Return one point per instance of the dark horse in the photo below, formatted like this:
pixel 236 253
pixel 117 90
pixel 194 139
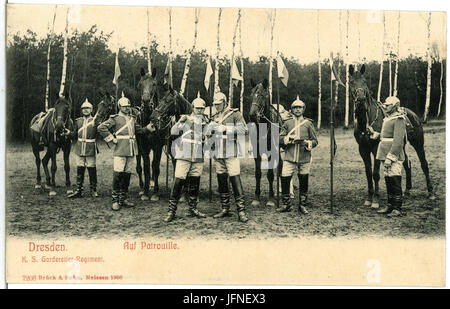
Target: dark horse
pixel 171 105
pixel 146 142
pixel 369 117
pixel 262 112
pixel 54 134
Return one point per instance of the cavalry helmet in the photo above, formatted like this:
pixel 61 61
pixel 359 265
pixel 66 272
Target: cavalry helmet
pixel 219 97
pixel 86 104
pixel 392 101
pixel 298 102
pixel 199 102
pixel 124 101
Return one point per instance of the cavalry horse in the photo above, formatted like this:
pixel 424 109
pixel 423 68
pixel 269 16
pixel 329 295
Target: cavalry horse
pixel 146 142
pixel 369 116
pixel 170 105
pixel 262 112
pixel 54 134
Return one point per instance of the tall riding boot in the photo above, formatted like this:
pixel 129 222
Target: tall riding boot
pixel 222 180
pixel 285 194
pixel 175 195
pixel 80 180
pixel 239 198
pixel 126 184
pixel 389 188
pixel 193 185
pixel 116 191
pixel 303 196
pixel 93 180
pixel 397 196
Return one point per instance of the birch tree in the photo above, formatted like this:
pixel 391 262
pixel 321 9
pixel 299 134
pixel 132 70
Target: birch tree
pixel 64 68
pixel 170 48
pixel 149 64
pixel 382 59
pixel 216 66
pixel 398 55
pixel 319 100
pixel 347 101
pixel 188 60
pixel 336 89
pixel 50 38
pixel 442 68
pixel 272 24
pixel 232 64
pixel 427 100
pixel 241 101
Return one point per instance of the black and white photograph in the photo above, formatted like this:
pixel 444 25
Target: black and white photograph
pixel 147 129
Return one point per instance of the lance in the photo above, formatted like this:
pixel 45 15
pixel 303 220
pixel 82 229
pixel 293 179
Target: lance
pixel 278 159
pixel 211 92
pixel 331 135
pixel 170 82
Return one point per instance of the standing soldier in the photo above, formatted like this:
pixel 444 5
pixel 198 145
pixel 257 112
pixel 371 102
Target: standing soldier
pixel 85 131
pixel 121 130
pixel 299 138
pixel 391 152
pixel 189 163
pixel 228 123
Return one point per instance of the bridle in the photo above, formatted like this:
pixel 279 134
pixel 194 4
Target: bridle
pixel 260 111
pixel 367 102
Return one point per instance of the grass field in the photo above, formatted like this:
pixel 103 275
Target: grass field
pixel 31 212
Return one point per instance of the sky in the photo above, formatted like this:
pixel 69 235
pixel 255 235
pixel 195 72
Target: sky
pixel 295 32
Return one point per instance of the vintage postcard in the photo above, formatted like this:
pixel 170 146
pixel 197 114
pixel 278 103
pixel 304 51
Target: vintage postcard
pixel 231 146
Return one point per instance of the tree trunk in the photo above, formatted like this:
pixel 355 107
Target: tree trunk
pixel 216 65
pixel 47 82
pixel 319 86
pixel 382 59
pixel 427 100
pixel 272 24
pixel 347 101
pixel 398 57
pixel 188 60
pixel 230 93
pixel 440 83
pixel 170 48
pixel 241 100
pixel 149 62
pixel 336 89
pixel 390 75
pixel 64 68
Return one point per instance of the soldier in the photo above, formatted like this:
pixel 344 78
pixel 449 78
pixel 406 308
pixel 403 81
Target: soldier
pixel 121 129
pixel 85 131
pixel 189 164
pixel 391 152
pixel 228 165
pixel 299 138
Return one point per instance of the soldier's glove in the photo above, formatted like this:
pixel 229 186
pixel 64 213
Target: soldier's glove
pixel 308 144
pixel 183 118
pixel 289 140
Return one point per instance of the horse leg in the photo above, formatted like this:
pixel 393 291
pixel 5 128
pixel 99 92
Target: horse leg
pixel 66 152
pixel 54 168
pixel 424 164
pixel 365 155
pixel 258 173
pixel 146 159
pixel 139 172
pixel 38 166
pixel 270 178
pixel 45 160
pixel 155 169
pixel 407 167
pixel 376 179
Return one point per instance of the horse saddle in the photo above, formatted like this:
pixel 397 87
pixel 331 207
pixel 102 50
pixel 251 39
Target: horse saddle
pixel 39 120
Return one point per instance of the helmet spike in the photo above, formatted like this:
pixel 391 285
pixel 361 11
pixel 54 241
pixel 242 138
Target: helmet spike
pixel 198 94
pixel 123 95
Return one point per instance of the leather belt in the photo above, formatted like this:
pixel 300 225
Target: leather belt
pixel 86 140
pixel 125 137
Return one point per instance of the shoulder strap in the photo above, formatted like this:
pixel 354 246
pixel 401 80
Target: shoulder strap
pixel 298 125
pixel 221 119
pixel 87 124
pixel 124 126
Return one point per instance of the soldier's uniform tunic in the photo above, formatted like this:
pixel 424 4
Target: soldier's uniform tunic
pixel 228 148
pixel 85 132
pixel 297 155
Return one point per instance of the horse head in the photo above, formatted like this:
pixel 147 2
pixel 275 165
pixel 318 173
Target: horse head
pixel 148 89
pixel 360 94
pixel 171 104
pixel 260 101
pixel 106 106
pixel 62 114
